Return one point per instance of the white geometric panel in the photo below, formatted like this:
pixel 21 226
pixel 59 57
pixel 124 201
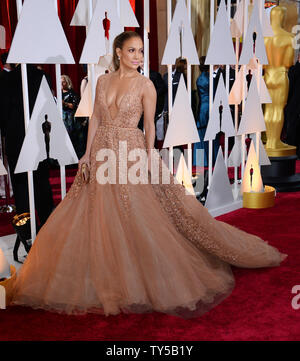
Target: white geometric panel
pixel 2 37
pixel 263 90
pixel 81 14
pixel 237 24
pixel 235 157
pixel 260 50
pixel 214 126
pixel 2 298
pixel 96 43
pixel 183 176
pixel 263 157
pixel 221 49
pixel 252 120
pixel 252 181
pixel 236 93
pixel 180 41
pixel 265 20
pixel 128 18
pixel 219 193
pixel 39 37
pixel 33 149
pixel 85 107
pixel 182 126
pixel 3 171
pixel 4 266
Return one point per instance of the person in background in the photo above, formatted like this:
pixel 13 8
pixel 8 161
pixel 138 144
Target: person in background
pixel 70 101
pixel 6 68
pixel 180 68
pixel 5 181
pixel 160 88
pixel 84 81
pixel 203 117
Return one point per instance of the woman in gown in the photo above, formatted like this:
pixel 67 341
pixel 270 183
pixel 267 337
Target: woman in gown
pixel 112 248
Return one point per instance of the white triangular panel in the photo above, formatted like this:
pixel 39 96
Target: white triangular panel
pixel 95 44
pixel 183 176
pixel 3 171
pixel 172 50
pixel 2 37
pixel 252 120
pixel 4 266
pixel 33 149
pixel 2 298
pixel 128 18
pixel 39 37
pixel 219 193
pixel 105 63
pixel 221 49
pixel 263 157
pixel 182 126
pixel 260 50
pixel 85 107
pixel 81 14
pixel 257 184
pixel 236 93
pixel 235 157
pixel 237 24
pixel 263 90
pixel 265 20
pixel 213 126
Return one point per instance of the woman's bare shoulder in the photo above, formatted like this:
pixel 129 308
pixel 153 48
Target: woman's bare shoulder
pixel 148 86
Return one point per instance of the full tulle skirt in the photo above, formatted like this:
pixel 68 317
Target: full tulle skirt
pixel 111 248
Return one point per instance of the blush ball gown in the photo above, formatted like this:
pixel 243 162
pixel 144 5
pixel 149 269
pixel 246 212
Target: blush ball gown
pixel 112 248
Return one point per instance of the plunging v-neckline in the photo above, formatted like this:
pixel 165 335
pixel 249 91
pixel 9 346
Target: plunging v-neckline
pixel 118 108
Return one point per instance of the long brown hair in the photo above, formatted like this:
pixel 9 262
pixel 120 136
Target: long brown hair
pixel 119 42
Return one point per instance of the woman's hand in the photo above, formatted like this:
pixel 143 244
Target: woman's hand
pixel 85 159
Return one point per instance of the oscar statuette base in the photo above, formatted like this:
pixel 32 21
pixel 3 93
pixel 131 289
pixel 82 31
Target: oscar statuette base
pixel 281 174
pixel 281 152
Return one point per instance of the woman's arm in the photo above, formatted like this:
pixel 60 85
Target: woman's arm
pixel 149 106
pixel 93 125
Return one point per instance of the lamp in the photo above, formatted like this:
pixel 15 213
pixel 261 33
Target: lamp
pixel 21 224
pixel 255 195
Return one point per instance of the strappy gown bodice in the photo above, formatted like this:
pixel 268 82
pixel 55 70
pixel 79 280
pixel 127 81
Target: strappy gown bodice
pixel 130 108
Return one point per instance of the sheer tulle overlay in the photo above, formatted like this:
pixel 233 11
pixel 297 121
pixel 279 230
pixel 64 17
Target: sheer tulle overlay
pixel 113 248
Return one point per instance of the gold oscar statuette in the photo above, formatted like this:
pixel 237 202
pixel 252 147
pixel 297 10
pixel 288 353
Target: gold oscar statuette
pixel 280 54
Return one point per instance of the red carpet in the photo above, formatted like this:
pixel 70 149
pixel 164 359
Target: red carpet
pixel 258 309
